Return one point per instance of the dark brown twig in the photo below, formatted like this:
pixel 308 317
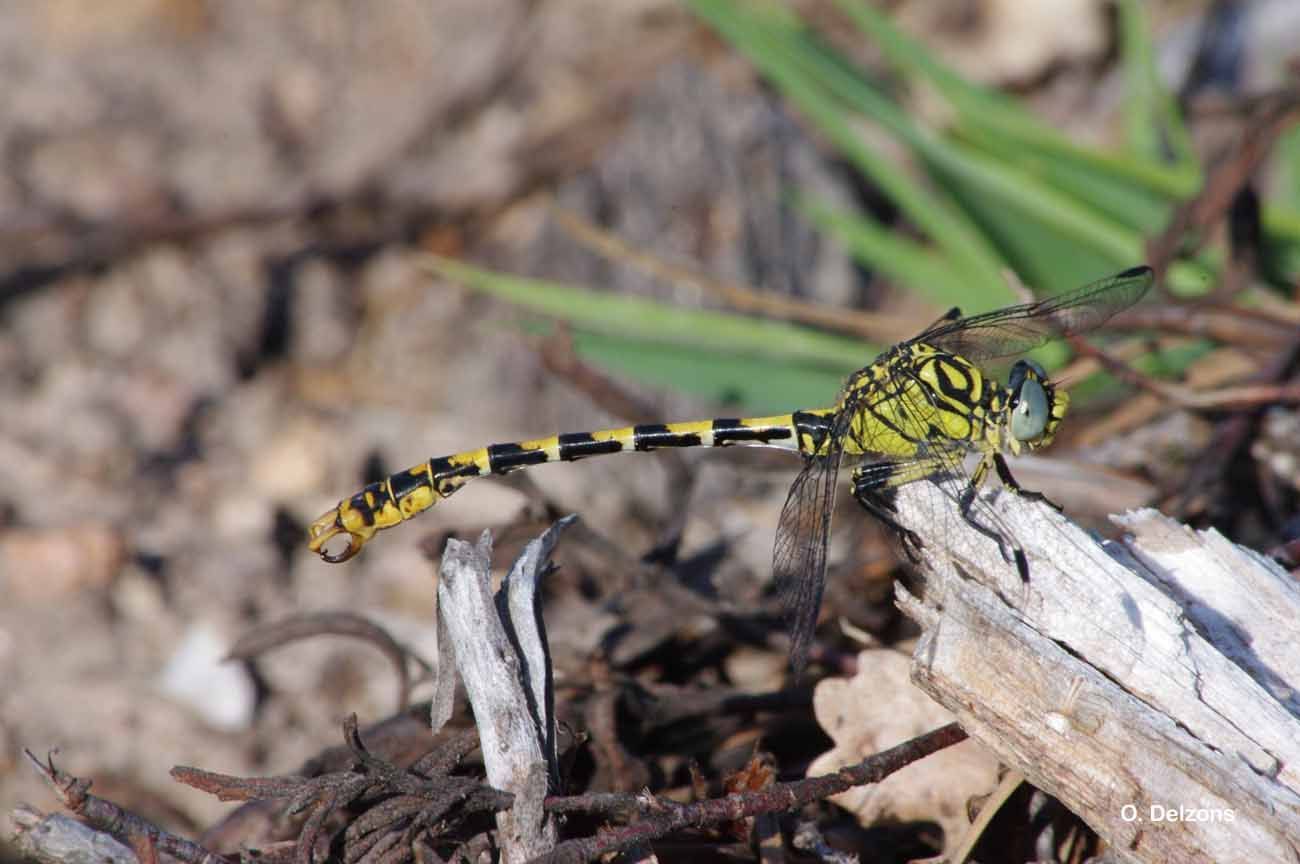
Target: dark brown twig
pixel 1267 122
pixel 398 803
pixel 298 627
pixel 402 739
pixel 141 835
pixel 664 816
pixel 1253 329
pixel 1240 397
pixel 603 803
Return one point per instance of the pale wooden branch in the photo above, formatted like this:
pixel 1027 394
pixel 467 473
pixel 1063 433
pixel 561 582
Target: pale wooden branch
pixel 1127 680
pixel 57 838
pixel 520 610
pixel 499 650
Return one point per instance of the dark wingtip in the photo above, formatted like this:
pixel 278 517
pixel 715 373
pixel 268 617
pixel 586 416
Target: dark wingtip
pixel 1133 272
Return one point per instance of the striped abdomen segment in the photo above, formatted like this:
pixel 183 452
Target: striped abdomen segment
pixel 403 495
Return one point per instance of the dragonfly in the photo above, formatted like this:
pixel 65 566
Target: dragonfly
pixel 916 412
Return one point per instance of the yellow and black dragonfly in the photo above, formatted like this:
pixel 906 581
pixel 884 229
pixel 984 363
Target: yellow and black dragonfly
pixel 914 413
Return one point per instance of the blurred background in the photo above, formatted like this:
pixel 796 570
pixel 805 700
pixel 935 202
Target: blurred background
pixel 255 255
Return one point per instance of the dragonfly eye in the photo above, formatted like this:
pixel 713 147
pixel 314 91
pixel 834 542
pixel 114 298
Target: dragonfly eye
pixel 1029 413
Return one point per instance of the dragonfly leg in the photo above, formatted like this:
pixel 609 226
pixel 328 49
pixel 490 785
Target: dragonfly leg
pixel 1004 474
pixel 874 487
pixel 967 503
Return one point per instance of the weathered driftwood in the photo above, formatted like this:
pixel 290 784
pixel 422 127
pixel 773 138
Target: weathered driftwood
pixel 1151 686
pixel 57 838
pixel 498 647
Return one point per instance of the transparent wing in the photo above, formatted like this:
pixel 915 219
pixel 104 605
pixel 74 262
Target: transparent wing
pixel 803 531
pixel 802 534
pixel 799 555
pixel 1017 329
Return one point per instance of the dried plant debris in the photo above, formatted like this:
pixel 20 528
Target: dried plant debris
pixel 374 810
pixel 145 839
pixel 433 810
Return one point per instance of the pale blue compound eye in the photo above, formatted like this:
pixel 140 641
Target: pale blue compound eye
pixel 1029 417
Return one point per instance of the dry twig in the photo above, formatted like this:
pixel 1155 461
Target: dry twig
pixel 662 816
pixel 144 838
pixel 267 637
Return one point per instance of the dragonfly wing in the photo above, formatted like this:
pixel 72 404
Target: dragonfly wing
pixel 1017 329
pixel 799 555
pixel 803 531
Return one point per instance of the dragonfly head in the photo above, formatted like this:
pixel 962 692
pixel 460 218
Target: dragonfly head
pixel 1036 407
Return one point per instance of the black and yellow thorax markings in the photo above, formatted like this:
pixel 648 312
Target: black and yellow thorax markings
pixel 389 502
pixel 918 396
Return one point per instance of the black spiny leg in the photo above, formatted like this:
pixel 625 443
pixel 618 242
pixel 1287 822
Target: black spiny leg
pixel 967 502
pixel 1004 474
pixel 873 489
pixel 875 485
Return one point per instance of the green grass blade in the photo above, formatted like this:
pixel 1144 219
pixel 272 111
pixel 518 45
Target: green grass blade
pixel 638 318
pixel 1288 158
pixel 783 54
pixel 1001 192
pixel 988 110
pixel 748 384
pixel 1152 121
pixel 907 262
pixel 1015 198
pixel 1116 197
pixel 1281 245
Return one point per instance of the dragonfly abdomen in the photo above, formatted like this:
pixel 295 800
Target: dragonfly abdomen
pixel 407 493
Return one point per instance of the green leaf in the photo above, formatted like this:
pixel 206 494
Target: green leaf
pixel 1281 245
pixel 985 110
pixel 746 384
pixel 800 69
pixel 1014 200
pixel 638 318
pixel 905 261
pixel 1288 157
pixel 1153 123
pixel 1112 195
pixel 1000 196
